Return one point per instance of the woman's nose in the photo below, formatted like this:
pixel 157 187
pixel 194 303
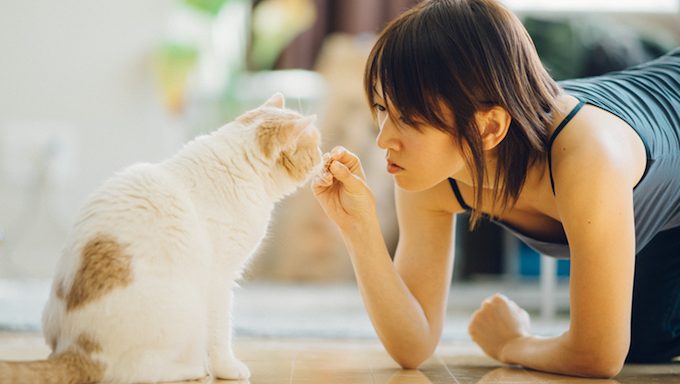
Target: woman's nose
pixel 386 137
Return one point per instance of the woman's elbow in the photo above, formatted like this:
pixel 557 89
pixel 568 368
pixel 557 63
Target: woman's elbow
pixel 411 358
pixel 602 370
pixel 603 359
pixel 410 362
pixel 602 364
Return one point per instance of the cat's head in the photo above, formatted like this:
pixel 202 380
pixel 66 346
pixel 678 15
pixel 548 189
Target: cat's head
pixel 286 140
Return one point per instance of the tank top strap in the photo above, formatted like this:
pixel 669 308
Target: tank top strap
pixel 459 196
pixel 557 131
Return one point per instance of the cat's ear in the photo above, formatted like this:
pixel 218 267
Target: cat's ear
pixel 276 101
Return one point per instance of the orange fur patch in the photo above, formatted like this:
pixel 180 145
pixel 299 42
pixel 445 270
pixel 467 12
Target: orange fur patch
pixel 59 290
pixel 274 133
pixel 266 136
pixel 75 365
pixel 52 342
pixel 293 171
pixel 88 344
pixel 300 161
pixel 104 266
pixel 88 369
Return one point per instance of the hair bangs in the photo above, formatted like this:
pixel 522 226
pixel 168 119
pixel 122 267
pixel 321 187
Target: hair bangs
pixel 408 89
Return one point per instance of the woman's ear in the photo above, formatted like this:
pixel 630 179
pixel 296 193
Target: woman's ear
pixel 493 126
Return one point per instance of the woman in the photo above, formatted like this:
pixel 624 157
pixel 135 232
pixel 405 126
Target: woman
pixel 588 169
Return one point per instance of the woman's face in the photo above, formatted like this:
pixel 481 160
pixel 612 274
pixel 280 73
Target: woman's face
pixel 418 159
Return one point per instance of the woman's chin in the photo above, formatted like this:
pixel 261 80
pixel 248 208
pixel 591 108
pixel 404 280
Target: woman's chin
pixel 409 184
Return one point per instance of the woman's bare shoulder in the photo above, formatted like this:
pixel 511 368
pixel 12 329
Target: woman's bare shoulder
pixel 598 140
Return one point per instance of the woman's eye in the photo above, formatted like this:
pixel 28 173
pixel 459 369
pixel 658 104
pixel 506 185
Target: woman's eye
pixel 379 107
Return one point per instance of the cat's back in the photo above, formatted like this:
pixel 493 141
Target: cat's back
pixel 142 209
pixel 136 197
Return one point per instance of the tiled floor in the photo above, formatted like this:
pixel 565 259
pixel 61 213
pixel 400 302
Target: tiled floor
pixel 288 361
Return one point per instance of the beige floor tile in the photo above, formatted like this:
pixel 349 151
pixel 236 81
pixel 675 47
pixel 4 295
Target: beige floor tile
pixel 366 362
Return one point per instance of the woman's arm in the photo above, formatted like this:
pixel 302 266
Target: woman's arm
pixel 405 299
pixel 593 185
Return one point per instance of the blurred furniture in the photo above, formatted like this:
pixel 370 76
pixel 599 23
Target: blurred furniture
pixel 354 17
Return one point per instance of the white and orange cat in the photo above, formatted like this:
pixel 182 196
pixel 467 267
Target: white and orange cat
pixel 143 290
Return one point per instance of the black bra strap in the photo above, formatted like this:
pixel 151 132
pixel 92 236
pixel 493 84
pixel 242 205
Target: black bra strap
pixel 559 128
pixel 459 197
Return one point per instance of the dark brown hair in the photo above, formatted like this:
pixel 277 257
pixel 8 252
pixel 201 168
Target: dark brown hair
pixel 468 55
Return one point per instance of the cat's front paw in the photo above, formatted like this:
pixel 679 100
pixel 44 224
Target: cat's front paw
pixel 231 369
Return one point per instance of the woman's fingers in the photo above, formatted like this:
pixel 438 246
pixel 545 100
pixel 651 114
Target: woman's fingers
pixel 325 179
pixel 341 190
pixel 341 172
pixel 348 159
pixel 322 182
pixel 342 165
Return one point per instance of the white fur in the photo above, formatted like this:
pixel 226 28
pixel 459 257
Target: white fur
pixel 190 224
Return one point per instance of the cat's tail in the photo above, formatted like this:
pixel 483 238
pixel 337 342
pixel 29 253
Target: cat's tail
pixel 66 368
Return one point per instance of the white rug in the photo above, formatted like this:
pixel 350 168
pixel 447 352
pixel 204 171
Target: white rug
pixel 325 311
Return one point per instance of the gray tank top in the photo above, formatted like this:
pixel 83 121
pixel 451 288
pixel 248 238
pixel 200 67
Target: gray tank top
pixel 646 97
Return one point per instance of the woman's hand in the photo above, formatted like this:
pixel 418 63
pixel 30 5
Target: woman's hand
pixel 497 322
pixel 341 189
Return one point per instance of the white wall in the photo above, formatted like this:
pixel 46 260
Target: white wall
pixel 76 74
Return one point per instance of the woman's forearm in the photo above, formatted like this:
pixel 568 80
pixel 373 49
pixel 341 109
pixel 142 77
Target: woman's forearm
pixel 559 355
pixel 397 317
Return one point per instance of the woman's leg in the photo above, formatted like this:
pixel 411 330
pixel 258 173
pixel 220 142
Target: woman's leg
pixel 655 323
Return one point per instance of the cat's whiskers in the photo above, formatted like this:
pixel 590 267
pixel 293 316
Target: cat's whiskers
pixel 299 100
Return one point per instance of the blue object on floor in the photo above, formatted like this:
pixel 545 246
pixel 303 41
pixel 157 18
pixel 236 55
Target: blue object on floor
pixel 530 263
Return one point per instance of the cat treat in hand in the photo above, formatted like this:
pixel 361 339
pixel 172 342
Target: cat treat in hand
pixel 327 160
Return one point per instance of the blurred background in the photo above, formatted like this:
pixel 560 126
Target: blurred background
pixel 87 88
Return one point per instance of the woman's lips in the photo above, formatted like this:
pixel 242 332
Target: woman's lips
pixel 393 168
